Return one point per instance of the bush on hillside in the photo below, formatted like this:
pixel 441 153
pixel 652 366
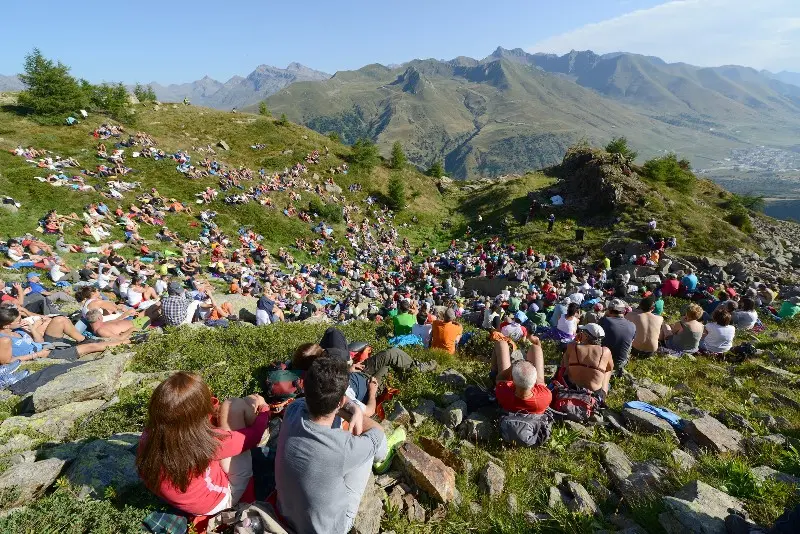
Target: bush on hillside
pixel 52 93
pixel 264 110
pixel 398 156
pixel 144 93
pixel 396 193
pixel 619 145
pixel 365 156
pixel 740 218
pixel 283 121
pixel 335 137
pixel 436 170
pixel 670 171
pixel 748 201
pixel 331 213
pixel 109 98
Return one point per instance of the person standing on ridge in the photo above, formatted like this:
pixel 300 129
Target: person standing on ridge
pixel 550 222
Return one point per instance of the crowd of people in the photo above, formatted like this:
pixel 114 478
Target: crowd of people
pixel 591 309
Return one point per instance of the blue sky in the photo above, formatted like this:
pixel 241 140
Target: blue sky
pixel 178 41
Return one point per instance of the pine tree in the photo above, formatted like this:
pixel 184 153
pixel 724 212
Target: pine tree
pixel 51 92
pixel 264 110
pixel 396 193
pixel 436 170
pixel 365 155
pixel 619 145
pixel 398 156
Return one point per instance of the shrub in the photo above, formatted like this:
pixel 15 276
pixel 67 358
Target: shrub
pixel 51 92
pixel 144 93
pixel 264 110
pixel 619 145
pixel 365 156
pixel 436 170
pixel 740 218
pixel 396 193
pixel 331 213
pixel 335 137
pixel 283 121
pixel 748 201
pixel 109 98
pixel 398 156
pixel 668 170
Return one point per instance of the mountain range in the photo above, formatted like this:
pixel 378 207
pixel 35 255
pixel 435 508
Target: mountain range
pixel 234 93
pixel 238 92
pixel 513 111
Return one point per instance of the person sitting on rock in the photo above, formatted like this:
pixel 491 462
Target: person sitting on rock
pixel 446 333
pixel 670 287
pixel 684 336
pixel 195 453
pixel 790 308
pixel 520 387
pixel 648 328
pixel 587 363
pixel 321 472
pixel 24 342
pixel 114 329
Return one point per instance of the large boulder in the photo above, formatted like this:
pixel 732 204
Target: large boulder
pixel 103 464
pixel 54 424
pixel 430 474
pixel 697 508
pixel 647 423
pixel 28 481
pixel 710 433
pixel 492 479
pixel 452 416
pixel 476 427
pixel 93 380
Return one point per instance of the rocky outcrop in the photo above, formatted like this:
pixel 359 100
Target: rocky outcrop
pixel 370 511
pixel 632 480
pixel 103 464
pixel 647 423
pixel 28 481
pixel 697 508
pixel 53 424
pixel 93 380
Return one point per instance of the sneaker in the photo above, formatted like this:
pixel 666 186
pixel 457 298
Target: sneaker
pixel 394 441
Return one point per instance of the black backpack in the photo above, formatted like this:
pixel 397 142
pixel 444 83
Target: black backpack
pixel 529 430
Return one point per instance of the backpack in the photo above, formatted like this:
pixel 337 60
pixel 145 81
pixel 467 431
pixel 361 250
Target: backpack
pixel 282 386
pixel 525 429
pixel 574 404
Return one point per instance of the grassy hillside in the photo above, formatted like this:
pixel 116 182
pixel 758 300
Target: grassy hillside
pixel 697 220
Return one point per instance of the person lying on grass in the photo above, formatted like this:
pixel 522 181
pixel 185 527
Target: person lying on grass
pixel 195 453
pixel 24 341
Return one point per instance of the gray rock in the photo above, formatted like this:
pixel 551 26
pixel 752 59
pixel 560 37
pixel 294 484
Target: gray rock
pixel 11 208
pixel 30 480
pixel 19 443
pixel 492 479
pixel 764 472
pixel 645 395
pixel 557 497
pixel 55 424
pixel 683 459
pixel 476 427
pixel 786 400
pixel 101 465
pixel 615 421
pixel 453 378
pixel 24 457
pixel 633 480
pixel 333 188
pixel 453 415
pixel 399 414
pixel 370 511
pixel 735 420
pixel 423 411
pixel 512 504
pixel 450 397
pixel 223 145
pixel 710 433
pixel 93 380
pixel 647 423
pixel 582 502
pixel 659 389
pixel 414 511
pixel 776 372
pixel 697 508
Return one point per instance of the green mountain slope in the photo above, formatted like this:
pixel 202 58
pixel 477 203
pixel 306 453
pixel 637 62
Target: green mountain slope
pixel 515 111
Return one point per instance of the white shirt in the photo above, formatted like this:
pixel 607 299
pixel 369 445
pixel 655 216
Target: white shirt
pixel 719 338
pixel 55 273
pixel 161 286
pixel 424 332
pixel 568 326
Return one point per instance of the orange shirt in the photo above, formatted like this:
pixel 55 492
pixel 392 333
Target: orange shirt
pixel 444 336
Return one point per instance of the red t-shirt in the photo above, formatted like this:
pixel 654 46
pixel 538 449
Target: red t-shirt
pixel 207 491
pixel 670 287
pixel 538 403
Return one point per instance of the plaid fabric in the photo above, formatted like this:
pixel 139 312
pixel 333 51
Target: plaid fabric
pixel 164 523
pixel 174 309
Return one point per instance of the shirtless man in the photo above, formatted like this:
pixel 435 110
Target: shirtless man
pixel 113 330
pixel 93 300
pixel 587 363
pixel 648 328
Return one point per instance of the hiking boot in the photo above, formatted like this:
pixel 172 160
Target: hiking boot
pixel 393 442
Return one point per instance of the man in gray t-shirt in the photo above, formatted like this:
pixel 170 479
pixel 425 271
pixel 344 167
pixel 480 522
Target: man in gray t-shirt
pixel 321 472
